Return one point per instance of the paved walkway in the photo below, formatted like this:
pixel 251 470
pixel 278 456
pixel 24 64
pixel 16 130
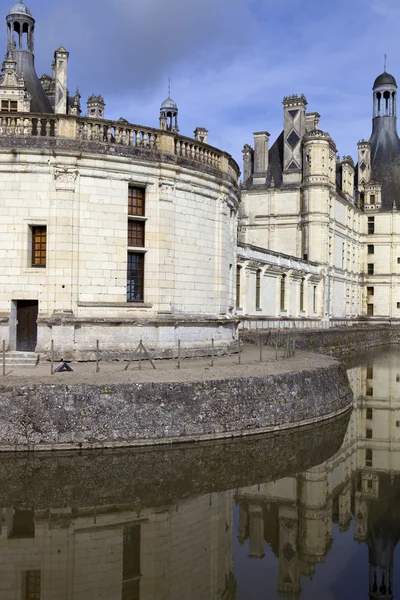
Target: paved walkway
pixel 194 369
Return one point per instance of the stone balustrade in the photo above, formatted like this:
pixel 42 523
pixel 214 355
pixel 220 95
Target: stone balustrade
pixel 119 132
pixel 197 151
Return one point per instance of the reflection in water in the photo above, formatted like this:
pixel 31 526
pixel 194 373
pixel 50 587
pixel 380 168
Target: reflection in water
pixel 314 507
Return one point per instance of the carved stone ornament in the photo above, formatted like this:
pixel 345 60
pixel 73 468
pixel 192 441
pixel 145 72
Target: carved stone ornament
pixel 65 179
pixel 167 190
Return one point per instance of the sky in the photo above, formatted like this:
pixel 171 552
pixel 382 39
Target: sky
pixel 231 62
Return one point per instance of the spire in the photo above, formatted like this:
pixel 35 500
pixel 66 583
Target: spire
pixel 384 66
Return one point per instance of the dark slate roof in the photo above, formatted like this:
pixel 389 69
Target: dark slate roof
pixel 275 162
pixel 25 67
pixel 385 79
pixel 385 160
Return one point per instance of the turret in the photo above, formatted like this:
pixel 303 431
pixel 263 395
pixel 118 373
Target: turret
pixel 385 142
pixel 169 115
pixel 21 44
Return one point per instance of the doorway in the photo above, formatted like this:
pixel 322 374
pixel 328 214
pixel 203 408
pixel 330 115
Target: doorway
pixel 27 314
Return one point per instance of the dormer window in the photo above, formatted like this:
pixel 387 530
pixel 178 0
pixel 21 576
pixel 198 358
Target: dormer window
pixel 372 199
pixel 9 106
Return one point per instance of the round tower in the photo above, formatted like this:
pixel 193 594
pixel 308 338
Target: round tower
pixel 21 43
pixel 385 142
pixel 169 115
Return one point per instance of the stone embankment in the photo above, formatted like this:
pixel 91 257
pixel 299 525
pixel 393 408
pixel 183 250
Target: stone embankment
pixel 335 342
pixel 141 408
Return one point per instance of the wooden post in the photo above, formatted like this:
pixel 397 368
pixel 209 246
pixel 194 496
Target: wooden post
pixel 140 355
pixel 261 350
pixel 276 348
pixel 97 356
pixel 240 352
pixel 212 352
pixel 4 358
pixel 179 354
pixel 52 357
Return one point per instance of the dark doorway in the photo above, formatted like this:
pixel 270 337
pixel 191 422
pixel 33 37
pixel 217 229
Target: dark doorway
pixel 27 314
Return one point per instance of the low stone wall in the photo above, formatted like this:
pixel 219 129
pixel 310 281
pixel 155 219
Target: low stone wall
pixel 42 416
pixel 335 342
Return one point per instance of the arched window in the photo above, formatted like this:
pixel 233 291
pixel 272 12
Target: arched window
pixel 283 292
pixel 302 295
pixel 258 290
pixel 238 289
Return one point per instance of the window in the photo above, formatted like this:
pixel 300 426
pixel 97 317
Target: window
pixel 370 291
pixel 370 372
pixel 302 295
pixel 135 291
pixel 33 585
pixel 136 239
pixel 370 310
pixel 283 292
pixel 23 524
pixel 368 458
pixel 39 246
pixel 238 290
pixel 370 484
pixel 131 563
pixel 371 225
pixel 368 434
pixel 371 268
pixel 398 304
pixel 369 414
pixel 315 299
pixel 258 290
pixel 372 199
pixel 9 106
pixel 371 249
pixel 370 391
pixel 398 260
pixel 136 202
pixel 136 233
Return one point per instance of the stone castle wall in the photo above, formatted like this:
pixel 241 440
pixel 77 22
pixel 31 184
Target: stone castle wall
pixel 80 193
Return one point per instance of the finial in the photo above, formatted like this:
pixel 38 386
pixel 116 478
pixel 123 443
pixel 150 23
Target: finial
pixel 169 87
pixel 385 64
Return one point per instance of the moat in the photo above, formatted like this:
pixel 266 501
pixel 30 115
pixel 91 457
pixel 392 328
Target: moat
pixel 311 513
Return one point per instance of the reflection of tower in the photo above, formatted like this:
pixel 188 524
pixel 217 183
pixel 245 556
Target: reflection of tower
pixel 289 571
pixel 383 533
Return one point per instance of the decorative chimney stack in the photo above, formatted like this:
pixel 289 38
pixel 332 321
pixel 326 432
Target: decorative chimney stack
pixel 95 107
pixel 61 92
pixel 200 134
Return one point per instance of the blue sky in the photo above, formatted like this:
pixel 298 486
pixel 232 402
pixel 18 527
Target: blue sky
pixel 230 61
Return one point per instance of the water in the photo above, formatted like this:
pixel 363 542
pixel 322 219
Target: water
pixel 313 514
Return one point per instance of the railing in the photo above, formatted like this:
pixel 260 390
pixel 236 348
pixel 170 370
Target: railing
pixel 200 152
pixel 116 133
pixel 120 133
pixel 41 125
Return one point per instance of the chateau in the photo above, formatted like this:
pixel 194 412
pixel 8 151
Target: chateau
pixel 319 236
pixel 115 232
